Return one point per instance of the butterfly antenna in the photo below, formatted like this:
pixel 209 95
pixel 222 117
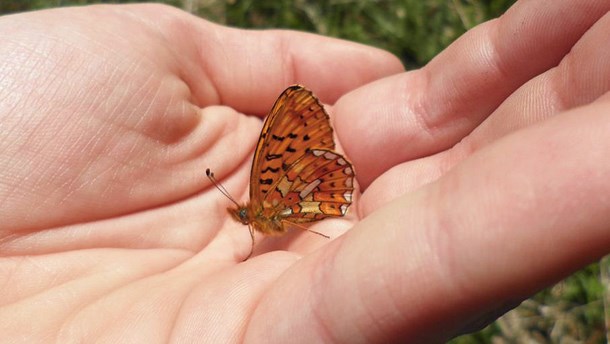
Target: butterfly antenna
pixel 219 186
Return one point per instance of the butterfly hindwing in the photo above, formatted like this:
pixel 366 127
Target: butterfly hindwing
pixel 317 185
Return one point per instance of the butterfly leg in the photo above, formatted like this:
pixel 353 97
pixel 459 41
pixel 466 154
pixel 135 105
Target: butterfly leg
pixel 252 247
pixel 318 233
pixel 305 228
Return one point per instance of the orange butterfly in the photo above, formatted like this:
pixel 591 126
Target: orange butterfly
pixel 296 175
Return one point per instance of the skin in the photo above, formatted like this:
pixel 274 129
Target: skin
pixel 483 177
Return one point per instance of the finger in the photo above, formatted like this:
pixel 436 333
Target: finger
pixel 510 220
pixel 580 77
pixel 248 69
pixel 426 111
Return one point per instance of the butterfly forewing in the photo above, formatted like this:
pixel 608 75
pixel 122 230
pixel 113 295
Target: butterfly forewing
pixel 297 122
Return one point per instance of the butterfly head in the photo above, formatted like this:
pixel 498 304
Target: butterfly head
pixel 240 214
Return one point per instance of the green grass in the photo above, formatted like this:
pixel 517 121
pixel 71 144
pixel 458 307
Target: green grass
pixel 415 31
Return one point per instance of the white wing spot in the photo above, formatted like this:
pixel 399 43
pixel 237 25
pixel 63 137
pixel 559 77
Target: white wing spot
pixel 317 152
pixel 310 207
pixel 348 196
pixel 349 182
pixel 344 209
pixel 341 161
pixel 330 156
pixel 348 171
pixel 286 212
pixel 309 188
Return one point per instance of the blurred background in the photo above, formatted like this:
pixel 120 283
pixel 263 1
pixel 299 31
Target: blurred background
pixel 573 310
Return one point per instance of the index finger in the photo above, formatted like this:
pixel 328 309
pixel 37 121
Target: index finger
pixel 426 111
pixel 248 69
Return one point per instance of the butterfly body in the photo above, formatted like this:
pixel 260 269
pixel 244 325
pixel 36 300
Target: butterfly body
pixel 266 222
pixel 296 175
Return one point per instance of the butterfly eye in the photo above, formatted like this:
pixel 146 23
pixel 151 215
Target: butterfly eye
pixel 243 214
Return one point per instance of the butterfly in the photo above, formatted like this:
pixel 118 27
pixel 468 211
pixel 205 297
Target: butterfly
pixel 296 175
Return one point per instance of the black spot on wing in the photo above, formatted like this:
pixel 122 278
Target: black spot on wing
pixel 267 181
pixel 269 168
pixel 273 156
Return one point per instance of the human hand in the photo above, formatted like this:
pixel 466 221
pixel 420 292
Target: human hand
pixel 109 236
pixel 485 178
pixel 110 114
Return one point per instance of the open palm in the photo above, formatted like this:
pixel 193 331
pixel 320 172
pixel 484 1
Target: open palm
pixel 112 232
pixel 110 227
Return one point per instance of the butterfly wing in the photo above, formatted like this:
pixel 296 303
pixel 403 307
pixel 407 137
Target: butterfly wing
pixel 296 123
pixel 318 185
